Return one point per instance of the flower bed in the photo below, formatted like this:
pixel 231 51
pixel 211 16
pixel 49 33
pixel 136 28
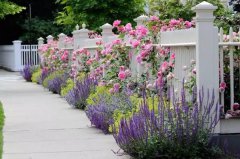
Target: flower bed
pixel 141 109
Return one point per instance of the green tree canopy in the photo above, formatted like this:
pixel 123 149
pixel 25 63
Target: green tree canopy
pixel 168 9
pixel 98 12
pixel 7 8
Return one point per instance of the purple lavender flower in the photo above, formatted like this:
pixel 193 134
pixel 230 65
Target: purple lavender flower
pixel 183 131
pixel 78 95
pixel 101 113
pixel 27 73
pixel 44 74
pixel 55 84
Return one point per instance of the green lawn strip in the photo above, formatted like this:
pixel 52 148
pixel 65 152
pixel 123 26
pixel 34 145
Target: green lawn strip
pixel 1 129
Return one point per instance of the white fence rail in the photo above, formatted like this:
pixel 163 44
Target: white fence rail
pixel 29 55
pixel 14 57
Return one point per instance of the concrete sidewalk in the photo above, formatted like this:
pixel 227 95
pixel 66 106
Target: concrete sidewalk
pixel 40 125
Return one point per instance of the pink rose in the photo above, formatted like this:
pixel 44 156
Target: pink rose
pixel 121 75
pixel 173 56
pixel 223 84
pixel 122 68
pixel 174 22
pixel 128 27
pixel 132 32
pixel 135 43
pixel 89 62
pixel 117 42
pixel 188 24
pixel 116 23
pixel 164 66
pixel 154 18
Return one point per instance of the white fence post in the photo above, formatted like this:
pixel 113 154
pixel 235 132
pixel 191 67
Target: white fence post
pixel 40 41
pixel 138 68
pixel 79 36
pixel 76 37
pixel 49 38
pixel 207 52
pixel 61 38
pixel 106 32
pixel 17 55
pixel 141 20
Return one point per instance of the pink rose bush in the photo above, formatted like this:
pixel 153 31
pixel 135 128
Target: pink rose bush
pixel 53 58
pixel 111 64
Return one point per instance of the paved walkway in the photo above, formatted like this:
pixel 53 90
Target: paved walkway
pixel 40 125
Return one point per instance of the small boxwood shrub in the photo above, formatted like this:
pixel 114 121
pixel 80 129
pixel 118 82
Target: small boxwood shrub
pixel 68 86
pixel 36 76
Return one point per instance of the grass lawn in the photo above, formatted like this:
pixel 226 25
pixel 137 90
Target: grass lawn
pixel 1 127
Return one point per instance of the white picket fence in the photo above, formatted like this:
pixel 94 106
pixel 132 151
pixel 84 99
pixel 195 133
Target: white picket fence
pixel 15 57
pixel 203 44
pixel 29 55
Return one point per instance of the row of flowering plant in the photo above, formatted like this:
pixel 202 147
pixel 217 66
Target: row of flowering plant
pixel 123 88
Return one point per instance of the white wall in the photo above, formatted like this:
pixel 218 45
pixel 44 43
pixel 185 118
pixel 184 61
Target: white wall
pixel 7 56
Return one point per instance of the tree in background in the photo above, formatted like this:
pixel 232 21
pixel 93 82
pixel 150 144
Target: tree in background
pixel 42 23
pixel 168 9
pixel 39 28
pixel 9 8
pixel 98 12
pixel 236 5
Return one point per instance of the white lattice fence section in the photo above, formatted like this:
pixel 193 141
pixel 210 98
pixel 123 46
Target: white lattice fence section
pixel 29 55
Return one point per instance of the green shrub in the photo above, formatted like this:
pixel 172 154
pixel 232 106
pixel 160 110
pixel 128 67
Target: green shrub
pixel 51 76
pixel 120 114
pixel 36 75
pixel 67 87
pixel 94 96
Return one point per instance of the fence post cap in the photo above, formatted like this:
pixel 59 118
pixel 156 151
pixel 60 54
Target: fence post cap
pixel 141 18
pixel 83 30
pixel 77 27
pixel 204 6
pixel 61 35
pixel 106 26
pixel 83 26
pixel 17 41
pixel 49 36
pixel 40 38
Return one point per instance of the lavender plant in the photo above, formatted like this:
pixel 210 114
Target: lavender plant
pixel 78 95
pixel 176 130
pixel 56 83
pixel 27 72
pixel 101 112
pixel 44 74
